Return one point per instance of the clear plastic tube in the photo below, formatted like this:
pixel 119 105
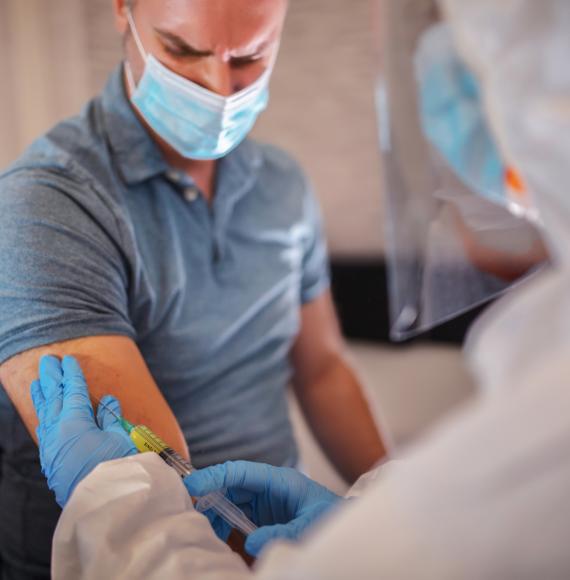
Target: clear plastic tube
pixel 215 501
pixel 227 510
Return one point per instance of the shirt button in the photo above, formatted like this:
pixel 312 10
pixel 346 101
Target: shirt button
pixel 173 176
pixel 190 194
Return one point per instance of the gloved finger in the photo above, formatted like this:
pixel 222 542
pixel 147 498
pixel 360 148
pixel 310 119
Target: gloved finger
pixel 220 527
pixel 39 405
pixel 231 474
pixel 105 418
pixel 51 377
pixel 202 481
pixel 247 509
pixel 244 500
pixel 240 496
pixel 258 540
pixel 109 423
pixel 40 433
pixel 76 396
pixel 38 398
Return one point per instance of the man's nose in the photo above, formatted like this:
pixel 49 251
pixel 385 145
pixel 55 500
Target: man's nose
pixel 218 77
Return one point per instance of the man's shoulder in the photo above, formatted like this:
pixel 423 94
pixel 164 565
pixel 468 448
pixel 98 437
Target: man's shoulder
pixel 69 162
pixel 282 178
pixel 66 177
pixel 74 148
pixel 275 158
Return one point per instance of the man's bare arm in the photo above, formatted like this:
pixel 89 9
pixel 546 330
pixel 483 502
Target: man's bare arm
pixel 331 395
pixel 112 365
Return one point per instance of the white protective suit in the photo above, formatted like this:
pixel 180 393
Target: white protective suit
pixel 484 496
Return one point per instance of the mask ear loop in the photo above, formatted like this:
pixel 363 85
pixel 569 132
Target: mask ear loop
pixel 136 36
pixel 138 42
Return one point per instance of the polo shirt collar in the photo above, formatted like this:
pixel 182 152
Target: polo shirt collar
pixel 136 155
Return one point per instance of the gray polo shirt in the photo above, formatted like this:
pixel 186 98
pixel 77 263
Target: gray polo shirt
pixel 98 236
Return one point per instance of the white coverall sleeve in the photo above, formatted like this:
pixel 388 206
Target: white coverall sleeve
pixel 133 518
pixel 484 496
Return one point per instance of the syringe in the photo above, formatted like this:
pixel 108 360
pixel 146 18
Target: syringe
pixel 146 441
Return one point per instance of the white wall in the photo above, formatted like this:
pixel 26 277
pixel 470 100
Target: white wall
pixel 54 54
pixel 53 57
pixel 322 110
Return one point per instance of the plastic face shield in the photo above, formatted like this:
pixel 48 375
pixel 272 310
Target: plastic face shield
pixel 460 227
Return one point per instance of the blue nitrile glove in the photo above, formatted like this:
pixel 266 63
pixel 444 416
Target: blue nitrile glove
pixel 71 442
pixel 280 500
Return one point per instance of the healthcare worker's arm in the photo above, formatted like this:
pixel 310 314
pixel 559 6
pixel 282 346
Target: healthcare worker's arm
pixel 464 505
pixel 467 503
pixel 483 497
pixel 153 532
pixel 112 365
pixel 330 394
pixel 505 261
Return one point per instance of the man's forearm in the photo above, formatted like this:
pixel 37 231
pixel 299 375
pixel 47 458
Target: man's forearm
pixel 340 418
pixel 112 365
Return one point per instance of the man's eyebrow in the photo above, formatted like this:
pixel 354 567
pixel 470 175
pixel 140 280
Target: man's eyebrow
pixel 182 45
pixel 257 53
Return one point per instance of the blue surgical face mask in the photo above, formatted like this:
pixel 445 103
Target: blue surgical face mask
pixel 454 122
pixel 452 115
pixel 197 123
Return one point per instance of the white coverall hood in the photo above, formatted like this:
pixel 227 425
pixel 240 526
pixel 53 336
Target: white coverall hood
pixel 519 49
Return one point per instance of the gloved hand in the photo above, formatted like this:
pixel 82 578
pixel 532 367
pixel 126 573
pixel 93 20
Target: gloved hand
pixel 71 442
pixel 282 501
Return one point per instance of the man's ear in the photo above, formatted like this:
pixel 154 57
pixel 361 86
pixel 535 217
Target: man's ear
pixel 120 9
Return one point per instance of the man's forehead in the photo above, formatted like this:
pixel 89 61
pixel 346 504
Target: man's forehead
pixel 240 25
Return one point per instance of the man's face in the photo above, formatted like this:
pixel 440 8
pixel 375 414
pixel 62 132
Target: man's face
pixel 222 45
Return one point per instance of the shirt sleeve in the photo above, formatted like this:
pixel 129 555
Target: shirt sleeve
pixel 316 272
pixel 62 273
